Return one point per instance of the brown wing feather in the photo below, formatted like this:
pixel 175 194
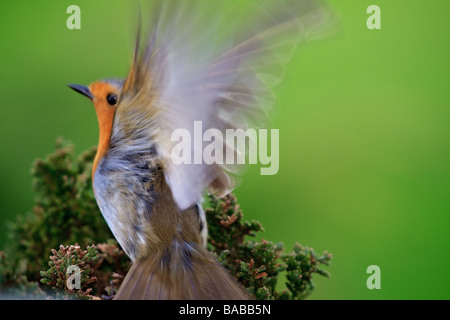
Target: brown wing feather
pixel 188 71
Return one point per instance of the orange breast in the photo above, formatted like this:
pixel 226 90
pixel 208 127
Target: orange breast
pixel 105 116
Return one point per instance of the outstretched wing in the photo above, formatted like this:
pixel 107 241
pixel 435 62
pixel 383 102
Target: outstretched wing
pixel 210 62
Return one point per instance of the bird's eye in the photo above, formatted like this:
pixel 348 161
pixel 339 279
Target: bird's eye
pixel 111 98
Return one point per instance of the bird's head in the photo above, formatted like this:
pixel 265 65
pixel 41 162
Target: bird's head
pixel 105 95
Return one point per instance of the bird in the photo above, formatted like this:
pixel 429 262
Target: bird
pixel 198 62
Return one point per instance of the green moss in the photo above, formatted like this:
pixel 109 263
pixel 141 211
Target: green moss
pixel 258 265
pixel 59 276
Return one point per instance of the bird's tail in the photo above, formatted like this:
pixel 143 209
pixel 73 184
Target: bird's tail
pixel 180 273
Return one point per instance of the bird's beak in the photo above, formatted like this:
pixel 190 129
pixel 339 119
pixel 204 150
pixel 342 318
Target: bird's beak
pixel 84 90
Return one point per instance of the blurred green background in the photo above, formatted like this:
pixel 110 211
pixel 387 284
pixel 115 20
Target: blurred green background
pixel 364 123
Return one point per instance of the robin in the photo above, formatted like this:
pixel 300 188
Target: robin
pixel 184 73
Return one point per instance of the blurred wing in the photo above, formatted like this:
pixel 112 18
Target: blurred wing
pixel 211 63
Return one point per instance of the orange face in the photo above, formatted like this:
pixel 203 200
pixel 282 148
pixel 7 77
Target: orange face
pixel 105 97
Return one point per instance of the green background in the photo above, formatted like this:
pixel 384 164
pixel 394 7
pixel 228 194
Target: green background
pixel 364 133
